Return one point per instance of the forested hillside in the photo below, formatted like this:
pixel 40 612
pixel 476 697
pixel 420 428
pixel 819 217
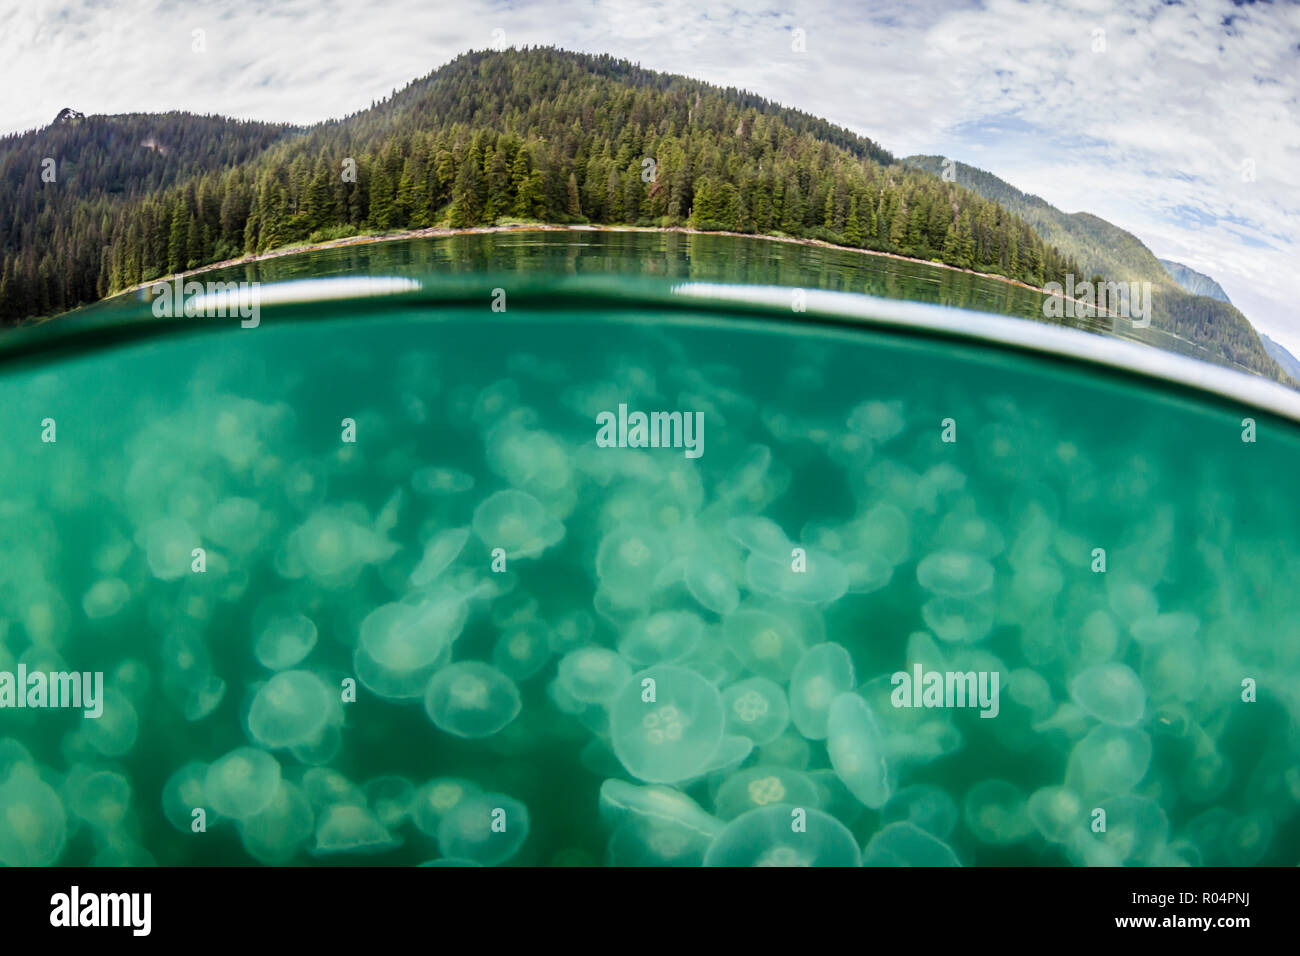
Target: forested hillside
pixel 539 135
pixel 1103 249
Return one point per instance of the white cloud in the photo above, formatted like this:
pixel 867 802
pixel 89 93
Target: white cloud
pixel 1151 133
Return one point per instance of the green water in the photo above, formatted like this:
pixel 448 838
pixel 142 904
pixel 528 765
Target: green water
pixel 371 560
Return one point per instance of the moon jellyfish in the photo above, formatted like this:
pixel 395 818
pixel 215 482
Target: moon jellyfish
pixel 242 783
pixel 522 650
pixel 959 620
pixel 878 420
pixel 292 708
pixel 435 799
pixel 627 561
pixel 401 645
pixel 114 732
pixel 593 675
pixel 182 794
pixel 760 535
pixel 857 749
pixel 274 835
pixel 441 481
pixel 1057 813
pixel 284 641
pixel 712 587
pixel 471 699
pixel 924 805
pixel 654 826
pixel 1110 692
pixel 823 578
pixel 571 630
pixel 349 828
pixel 883 530
pixel 1109 761
pixel 1130 600
pixel 33 824
pixel 101 797
pixel 168 543
pixel 661 637
pixel 666 723
pixel 331 548
pixel 236 524
pixel 763 786
pixel 1136 831
pixel 391 798
pixel 440 551
pixel 756 708
pixel 784 835
pixel 768 644
pixel 995 812
pixel 516 522
pixel 956 574
pixel 105 598
pixel 488 828
pixel 823 673
pixel 906 844
pixel 1175 627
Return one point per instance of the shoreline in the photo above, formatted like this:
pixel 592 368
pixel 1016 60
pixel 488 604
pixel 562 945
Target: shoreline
pixel 441 232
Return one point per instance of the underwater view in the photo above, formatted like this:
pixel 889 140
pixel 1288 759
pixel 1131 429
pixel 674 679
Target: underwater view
pixel 449 566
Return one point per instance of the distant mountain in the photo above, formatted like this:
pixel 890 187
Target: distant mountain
pixel 540 135
pixel 1290 364
pixel 1197 283
pixel 1105 250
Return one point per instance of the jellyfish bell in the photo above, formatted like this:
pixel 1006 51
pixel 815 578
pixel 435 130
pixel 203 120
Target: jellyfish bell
pixel 856 745
pixel 592 675
pixel 906 844
pixel 666 723
pixel 756 708
pixel 284 640
pixel 924 805
pixel 767 836
pixel 662 637
pixel 958 574
pixel 762 786
pixel 1109 761
pixel 627 561
pixel 820 579
pixel 517 523
pixel 292 708
pixel 439 552
pixel 995 812
pixel 759 535
pixel 521 651
pixel 878 420
pixel 769 643
pixel 114 732
pixel 621 803
pixel 710 585
pixel 168 543
pixel 33 824
pixel 471 699
pixel 402 644
pixel 102 798
pixel 1057 813
pixel 823 673
pixel 959 620
pixel 391 798
pixel 435 481
pixel 488 828
pixel 351 828
pixel 182 794
pixel 1110 692
pixel 242 782
pixel 274 835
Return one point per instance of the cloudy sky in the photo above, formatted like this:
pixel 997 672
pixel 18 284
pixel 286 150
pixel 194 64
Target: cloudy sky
pixel 1179 121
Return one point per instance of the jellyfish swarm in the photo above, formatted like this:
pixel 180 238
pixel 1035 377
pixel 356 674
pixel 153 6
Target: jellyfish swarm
pixel 471 699
pixel 784 835
pixel 673 736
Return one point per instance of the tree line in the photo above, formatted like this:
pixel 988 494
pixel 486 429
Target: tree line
pixel 521 135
